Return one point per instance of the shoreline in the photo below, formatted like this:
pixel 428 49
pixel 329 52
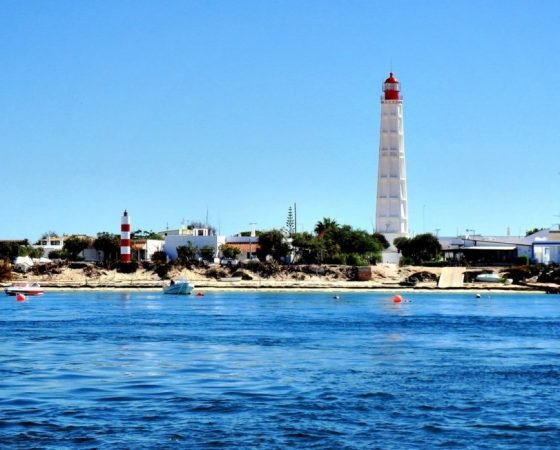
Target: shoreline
pixel 285 286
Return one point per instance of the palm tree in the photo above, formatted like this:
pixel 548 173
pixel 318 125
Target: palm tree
pixel 324 226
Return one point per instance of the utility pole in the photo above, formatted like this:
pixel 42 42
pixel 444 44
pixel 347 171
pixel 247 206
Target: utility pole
pixel 252 233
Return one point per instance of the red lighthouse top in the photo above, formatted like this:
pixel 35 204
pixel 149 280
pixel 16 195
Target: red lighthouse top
pixel 392 88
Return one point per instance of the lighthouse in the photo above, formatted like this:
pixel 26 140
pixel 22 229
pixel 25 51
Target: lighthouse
pixel 391 216
pixel 125 238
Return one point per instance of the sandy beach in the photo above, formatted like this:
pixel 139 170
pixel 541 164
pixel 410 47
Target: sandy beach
pixel 384 278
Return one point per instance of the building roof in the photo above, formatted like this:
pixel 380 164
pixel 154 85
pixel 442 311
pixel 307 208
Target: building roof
pixel 482 248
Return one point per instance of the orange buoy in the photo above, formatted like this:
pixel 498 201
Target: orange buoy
pixel 397 299
pixel 20 298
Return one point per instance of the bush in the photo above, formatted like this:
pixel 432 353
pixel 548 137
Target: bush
pixel 162 271
pixel 254 265
pixel 357 260
pixel 159 257
pixel 58 254
pixel 5 270
pixel 216 272
pixel 129 267
pixel 244 275
pixel 406 261
pixel 521 261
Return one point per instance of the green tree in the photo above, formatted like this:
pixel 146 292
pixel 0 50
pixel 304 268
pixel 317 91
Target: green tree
pixel 272 243
pixel 382 240
pixel 74 245
pixel 186 253
pixel 9 250
pixel 142 234
pixel 325 226
pixel 421 248
pixel 109 244
pixel 29 250
pixel 308 248
pixel 290 223
pixel 533 231
pixel 230 252
pixel 207 253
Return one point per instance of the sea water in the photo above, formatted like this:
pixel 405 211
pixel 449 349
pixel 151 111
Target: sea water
pixel 280 370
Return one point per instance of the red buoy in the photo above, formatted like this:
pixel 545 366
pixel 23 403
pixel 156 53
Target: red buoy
pixel 20 298
pixel 199 294
pixel 397 299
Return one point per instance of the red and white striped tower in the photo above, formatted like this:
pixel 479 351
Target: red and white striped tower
pixel 125 238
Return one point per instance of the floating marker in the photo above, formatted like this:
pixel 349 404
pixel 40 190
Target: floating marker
pixel 397 299
pixel 20 298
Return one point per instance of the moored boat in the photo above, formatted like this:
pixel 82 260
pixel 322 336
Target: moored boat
pixel 489 278
pixel 24 288
pixel 178 287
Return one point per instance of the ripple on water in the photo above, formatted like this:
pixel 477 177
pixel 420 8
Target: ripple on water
pixel 279 371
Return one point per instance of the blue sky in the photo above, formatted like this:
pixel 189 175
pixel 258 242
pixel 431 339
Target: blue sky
pixel 241 108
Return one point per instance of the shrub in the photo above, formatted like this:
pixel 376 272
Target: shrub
pixel 129 267
pixel 406 261
pixel 216 272
pixel 162 271
pixel 357 260
pixel 5 270
pixel 159 257
pixel 58 254
pixel 521 261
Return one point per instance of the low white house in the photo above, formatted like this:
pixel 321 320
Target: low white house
pixel 50 243
pixel 144 249
pixel 546 247
pixel 177 240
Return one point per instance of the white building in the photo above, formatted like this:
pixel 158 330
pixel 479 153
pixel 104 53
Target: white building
pixel 186 231
pixel 542 246
pixel 391 216
pixel 173 241
pixel 50 243
pixel 546 247
pixel 144 249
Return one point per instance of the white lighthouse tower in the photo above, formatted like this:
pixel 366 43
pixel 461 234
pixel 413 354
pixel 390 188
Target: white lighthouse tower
pixel 391 217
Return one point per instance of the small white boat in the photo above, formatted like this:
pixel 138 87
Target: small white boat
pixel 178 287
pixel 24 288
pixel 489 278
